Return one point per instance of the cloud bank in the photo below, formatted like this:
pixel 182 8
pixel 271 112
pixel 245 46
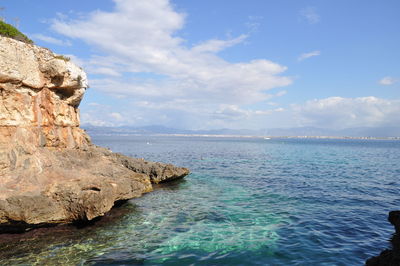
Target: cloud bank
pixel 340 113
pixel 159 78
pixel 141 56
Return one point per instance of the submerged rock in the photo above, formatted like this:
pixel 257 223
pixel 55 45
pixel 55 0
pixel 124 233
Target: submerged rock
pixel 50 172
pixel 389 256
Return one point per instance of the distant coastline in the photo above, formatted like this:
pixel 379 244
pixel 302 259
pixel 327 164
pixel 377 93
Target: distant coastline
pixel 279 137
pixel 391 133
pixel 245 136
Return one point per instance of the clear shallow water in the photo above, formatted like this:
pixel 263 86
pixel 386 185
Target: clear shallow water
pixel 247 201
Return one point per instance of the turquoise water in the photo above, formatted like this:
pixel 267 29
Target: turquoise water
pixel 247 201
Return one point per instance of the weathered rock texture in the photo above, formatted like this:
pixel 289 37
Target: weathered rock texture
pixel 389 257
pixel 49 170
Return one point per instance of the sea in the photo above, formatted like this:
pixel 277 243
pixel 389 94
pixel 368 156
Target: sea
pixel 247 201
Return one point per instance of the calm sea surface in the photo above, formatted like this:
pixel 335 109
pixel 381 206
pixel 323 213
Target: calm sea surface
pixel 247 201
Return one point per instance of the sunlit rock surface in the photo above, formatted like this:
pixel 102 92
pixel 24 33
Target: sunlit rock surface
pixel 49 170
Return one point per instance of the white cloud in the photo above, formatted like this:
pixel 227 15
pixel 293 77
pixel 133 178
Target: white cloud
pixel 116 116
pixel 97 114
pixel 310 14
pixel 105 71
pixel 217 45
pixel 141 56
pixel 281 93
pixel 90 119
pixel 332 112
pixel 387 81
pixel 234 112
pixel 308 55
pixel 339 113
pixel 51 40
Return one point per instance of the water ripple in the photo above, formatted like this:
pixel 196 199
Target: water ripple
pixel 247 201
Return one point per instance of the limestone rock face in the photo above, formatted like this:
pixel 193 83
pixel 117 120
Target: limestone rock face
pixel 49 170
pixel 39 95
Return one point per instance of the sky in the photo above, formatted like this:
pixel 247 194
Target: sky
pixel 239 64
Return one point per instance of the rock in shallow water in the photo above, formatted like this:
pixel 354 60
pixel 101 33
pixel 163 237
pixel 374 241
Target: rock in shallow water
pixel 50 172
pixel 389 257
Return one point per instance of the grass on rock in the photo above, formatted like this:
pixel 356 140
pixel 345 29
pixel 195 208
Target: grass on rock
pixel 10 31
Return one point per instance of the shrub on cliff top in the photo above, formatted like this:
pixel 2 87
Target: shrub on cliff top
pixel 62 57
pixel 8 30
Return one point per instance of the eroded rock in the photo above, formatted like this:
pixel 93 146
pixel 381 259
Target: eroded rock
pixel 50 172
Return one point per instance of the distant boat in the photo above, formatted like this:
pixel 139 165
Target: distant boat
pixel 266 138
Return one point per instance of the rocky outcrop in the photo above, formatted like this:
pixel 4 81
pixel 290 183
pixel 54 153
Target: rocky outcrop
pixel 50 172
pixel 39 95
pixel 389 257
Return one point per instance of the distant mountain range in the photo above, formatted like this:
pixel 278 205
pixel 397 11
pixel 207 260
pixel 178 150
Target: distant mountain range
pixel 275 132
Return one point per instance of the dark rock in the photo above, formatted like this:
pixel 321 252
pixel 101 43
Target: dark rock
pixel 389 257
pixel 158 172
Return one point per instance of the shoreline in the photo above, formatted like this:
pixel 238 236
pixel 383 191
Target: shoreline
pixel 246 136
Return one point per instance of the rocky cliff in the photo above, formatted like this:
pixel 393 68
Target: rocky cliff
pixel 50 172
pixel 39 95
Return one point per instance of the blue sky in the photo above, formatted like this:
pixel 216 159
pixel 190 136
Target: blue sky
pixel 227 64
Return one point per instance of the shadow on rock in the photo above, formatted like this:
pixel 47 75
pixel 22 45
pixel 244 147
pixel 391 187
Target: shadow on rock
pixel 173 185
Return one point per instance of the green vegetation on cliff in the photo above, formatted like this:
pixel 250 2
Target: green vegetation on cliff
pixel 8 30
pixel 62 57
